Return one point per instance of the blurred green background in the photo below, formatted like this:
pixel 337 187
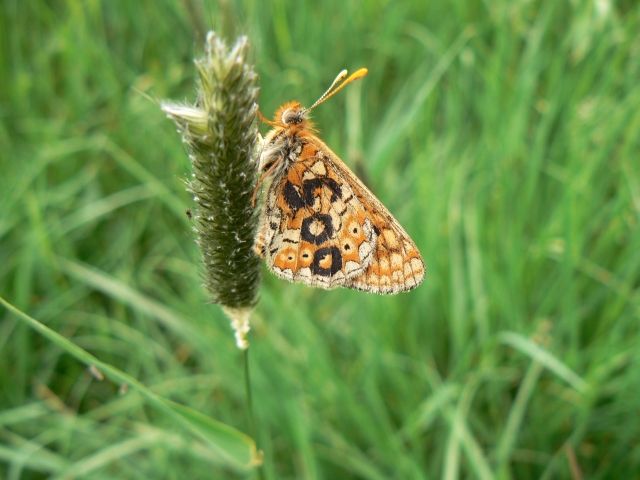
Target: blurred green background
pixel 505 137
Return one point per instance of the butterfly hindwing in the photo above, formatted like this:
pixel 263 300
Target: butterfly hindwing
pixel 321 226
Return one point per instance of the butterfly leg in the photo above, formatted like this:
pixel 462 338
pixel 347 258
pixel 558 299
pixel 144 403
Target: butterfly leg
pixel 261 179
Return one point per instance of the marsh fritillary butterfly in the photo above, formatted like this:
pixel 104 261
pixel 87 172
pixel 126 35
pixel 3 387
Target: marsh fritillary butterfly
pixel 321 225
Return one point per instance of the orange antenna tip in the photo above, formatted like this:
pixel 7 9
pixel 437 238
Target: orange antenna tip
pixel 338 84
pixel 361 72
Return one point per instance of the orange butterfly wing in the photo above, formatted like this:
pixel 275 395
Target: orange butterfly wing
pixel 321 226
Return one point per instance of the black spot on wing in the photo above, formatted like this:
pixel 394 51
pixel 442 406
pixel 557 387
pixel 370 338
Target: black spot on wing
pixel 309 187
pixel 323 227
pixel 320 255
pixel 292 197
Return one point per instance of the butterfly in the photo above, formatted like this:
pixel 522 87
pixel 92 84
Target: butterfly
pixel 320 225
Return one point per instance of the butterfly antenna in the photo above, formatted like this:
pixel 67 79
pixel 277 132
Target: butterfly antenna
pixel 336 86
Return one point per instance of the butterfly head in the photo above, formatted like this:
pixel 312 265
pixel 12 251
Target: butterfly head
pixel 290 121
pixel 292 115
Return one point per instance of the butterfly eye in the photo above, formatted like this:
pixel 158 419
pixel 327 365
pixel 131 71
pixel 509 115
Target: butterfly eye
pixel 291 116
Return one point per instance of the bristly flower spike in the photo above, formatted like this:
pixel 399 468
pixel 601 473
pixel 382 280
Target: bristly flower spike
pixel 222 137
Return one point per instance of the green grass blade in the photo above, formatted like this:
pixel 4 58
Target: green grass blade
pixel 544 357
pixel 234 447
